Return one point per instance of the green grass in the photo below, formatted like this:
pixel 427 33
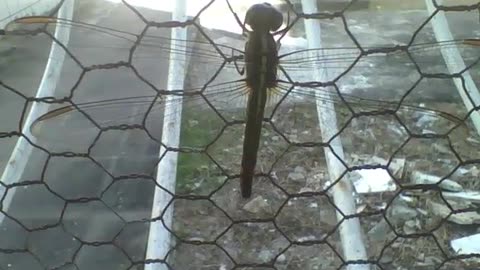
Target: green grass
pixel 196 173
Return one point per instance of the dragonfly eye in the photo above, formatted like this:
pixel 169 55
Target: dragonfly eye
pixel 263 17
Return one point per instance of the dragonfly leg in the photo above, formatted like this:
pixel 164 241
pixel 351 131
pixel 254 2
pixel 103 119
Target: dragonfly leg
pixel 240 71
pixel 283 31
pixel 278 45
pixel 242 25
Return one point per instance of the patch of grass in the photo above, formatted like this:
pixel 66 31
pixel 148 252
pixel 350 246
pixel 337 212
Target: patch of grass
pixel 196 173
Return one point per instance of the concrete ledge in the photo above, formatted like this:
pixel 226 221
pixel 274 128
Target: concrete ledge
pixel 336 5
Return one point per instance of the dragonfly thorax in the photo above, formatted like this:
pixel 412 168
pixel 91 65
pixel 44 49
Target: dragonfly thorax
pixel 261 59
pixel 261 54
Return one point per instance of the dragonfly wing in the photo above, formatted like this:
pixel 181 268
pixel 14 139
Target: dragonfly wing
pixel 375 62
pixel 215 104
pixel 73 128
pixel 372 86
pixel 299 105
pixel 110 45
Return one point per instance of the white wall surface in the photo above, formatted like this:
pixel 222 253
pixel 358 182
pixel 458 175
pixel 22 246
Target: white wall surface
pixel 12 9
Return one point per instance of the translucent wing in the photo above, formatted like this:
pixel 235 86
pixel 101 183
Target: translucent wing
pixel 211 110
pixel 133 46
pixel 425 57
pixel 144 46
pixel 81 122
pixel 96 113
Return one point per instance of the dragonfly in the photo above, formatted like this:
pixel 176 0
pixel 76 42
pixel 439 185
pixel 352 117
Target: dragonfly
pixel 267 74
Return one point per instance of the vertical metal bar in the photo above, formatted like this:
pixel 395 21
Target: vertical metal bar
pixel 23 149
pixel 350 230
pixel 159 237
pixel 454 61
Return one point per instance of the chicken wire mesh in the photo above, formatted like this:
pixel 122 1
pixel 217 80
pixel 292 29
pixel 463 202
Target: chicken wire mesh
pixel 85 197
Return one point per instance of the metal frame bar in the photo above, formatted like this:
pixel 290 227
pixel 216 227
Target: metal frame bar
pixel 159 238
pixel 454 61
pixel 350 230
pixel 23 149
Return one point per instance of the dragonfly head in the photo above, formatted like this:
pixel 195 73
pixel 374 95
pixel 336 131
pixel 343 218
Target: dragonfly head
pixel 263 17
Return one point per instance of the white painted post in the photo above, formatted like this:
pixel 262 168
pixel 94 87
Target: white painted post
pixel 159 238
pixel 350 230
pixel 23 149
pixel 454 61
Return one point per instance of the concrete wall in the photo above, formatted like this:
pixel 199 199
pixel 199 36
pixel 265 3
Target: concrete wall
pixel 413 4
pixel 12 9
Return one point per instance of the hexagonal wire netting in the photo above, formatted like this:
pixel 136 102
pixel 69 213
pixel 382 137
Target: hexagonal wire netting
pixel 368 156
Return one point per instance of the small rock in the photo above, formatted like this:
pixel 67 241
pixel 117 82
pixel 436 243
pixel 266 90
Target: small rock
pixel 355 158
pixel 421 257
pixel 432 261
pixel 397 166
pixel 372 180
pixel 386 259
pixel 265 255
pixel 420 178
pixel 307 238
pixel 431 222
pixel 300 169
pixel 467 245
pixel 281 258
pixel 400 213
pixel 461 171
pixel 361 208
pixel 295 176
pixel 425 120
pixel 441 148
pixel 196 238
pixel 470 196
pixel 257 205
pixel 411 226
pixel 395 128
pixel 378 232
pixel 423 212
pixel 472 140
pixel 407 198
pixel 475 171
pixel 464 218
pixel 306 189
pixel 428 131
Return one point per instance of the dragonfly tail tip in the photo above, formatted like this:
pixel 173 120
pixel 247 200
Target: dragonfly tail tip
pixel 246 187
